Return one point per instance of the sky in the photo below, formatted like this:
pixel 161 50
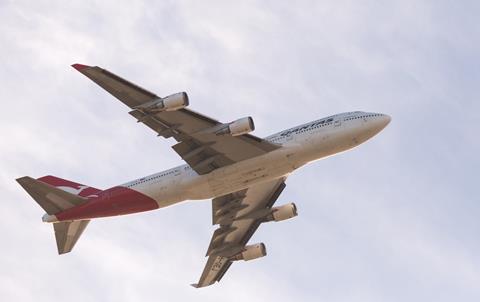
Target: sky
pixel 395 219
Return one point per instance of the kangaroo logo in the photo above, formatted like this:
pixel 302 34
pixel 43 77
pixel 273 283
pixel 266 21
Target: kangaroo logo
pixel 76 191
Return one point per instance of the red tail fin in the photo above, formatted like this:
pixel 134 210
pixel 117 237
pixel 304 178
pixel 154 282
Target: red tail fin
pixel 70 186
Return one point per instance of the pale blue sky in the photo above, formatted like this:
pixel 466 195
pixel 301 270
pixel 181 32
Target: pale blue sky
pixel 393 220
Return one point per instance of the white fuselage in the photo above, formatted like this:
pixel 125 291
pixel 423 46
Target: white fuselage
pixel 300 145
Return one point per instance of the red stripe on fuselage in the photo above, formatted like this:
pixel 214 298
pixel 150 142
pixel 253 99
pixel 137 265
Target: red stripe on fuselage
pixel 112 202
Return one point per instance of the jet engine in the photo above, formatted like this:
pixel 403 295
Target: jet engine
pixel 238 127
pixel 251 252
pixel 175 101
pixel 170 103
pixel 284 212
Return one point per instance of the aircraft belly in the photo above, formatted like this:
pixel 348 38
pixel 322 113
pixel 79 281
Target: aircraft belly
pixel 165 192
pixel 326 143
pixel 249 172
pixel 235 177
pixel 241 175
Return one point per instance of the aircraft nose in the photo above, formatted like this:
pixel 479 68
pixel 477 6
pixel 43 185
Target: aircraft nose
pixel 379 122
pixel 385 119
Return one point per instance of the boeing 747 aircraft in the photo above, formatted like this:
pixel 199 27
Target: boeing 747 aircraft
pixel 243 174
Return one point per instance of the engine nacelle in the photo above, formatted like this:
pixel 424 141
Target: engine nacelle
pixel 238 127
pixel 284 212
pixel 170 103
pixel 175 101
pixel 251 252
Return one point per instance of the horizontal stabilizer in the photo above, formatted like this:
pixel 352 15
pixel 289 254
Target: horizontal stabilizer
pixel 67 234
pixel 51 199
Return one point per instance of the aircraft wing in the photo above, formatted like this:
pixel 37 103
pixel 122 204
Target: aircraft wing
pixel 202 149
pixel 239 214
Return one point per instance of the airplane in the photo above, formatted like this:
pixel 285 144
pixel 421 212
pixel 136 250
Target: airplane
pixel 243 174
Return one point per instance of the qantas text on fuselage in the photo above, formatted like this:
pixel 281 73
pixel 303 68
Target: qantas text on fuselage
pixel 242 174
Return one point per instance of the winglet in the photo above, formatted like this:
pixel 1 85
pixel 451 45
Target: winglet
pixel 195 285
pixel 79 67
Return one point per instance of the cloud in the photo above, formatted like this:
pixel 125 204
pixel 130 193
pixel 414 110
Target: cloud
pixel 395 219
